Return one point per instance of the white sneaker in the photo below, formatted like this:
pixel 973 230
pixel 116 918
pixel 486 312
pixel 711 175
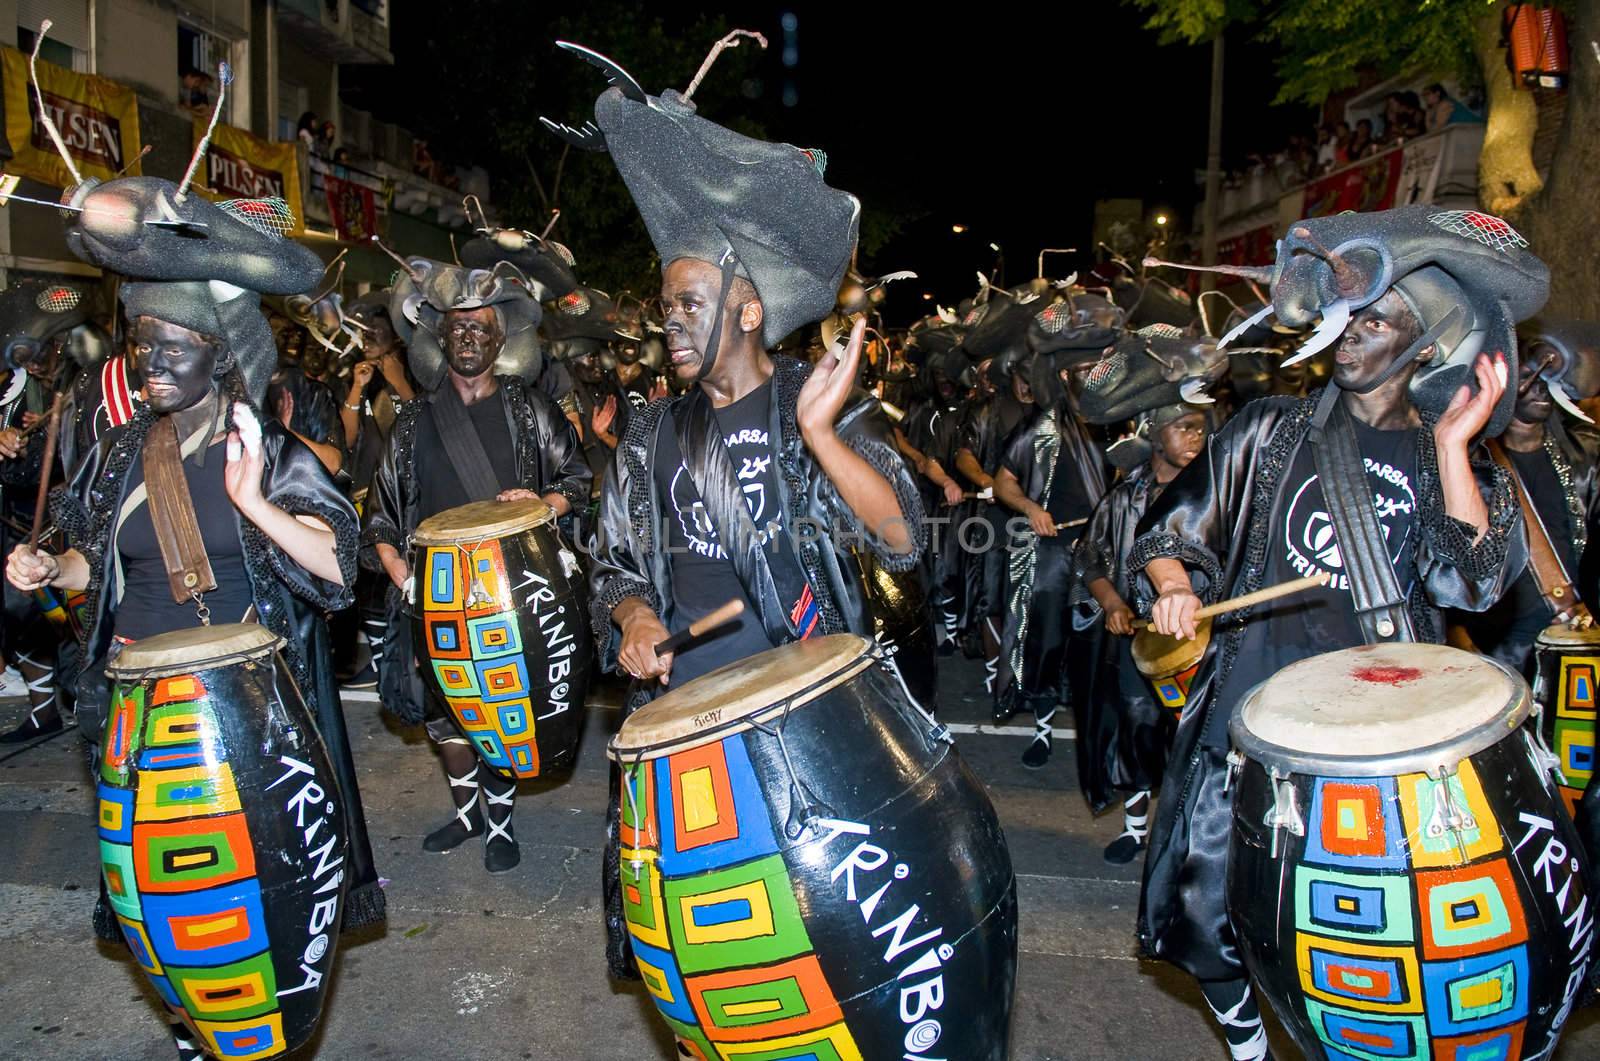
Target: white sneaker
pixel 11 684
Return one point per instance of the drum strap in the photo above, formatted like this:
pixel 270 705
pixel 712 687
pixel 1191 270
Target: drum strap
pixel 462 444
pixel 183 551
pixel 1381 608
pixel 1555 585
pixel 705 457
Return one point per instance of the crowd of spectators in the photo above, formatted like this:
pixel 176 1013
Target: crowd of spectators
pixel 1406 115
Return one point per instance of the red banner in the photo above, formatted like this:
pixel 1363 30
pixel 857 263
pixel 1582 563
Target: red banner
pixel 1368 187
pixel 354 214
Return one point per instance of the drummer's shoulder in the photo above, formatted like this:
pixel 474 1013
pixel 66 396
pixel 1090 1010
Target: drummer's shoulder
pixel 1268 411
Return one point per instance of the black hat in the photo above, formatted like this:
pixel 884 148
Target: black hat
pixel 33 312
pixel 1468 277
pixel 1574 368
pixel 1158 365
pixel 546 264
pixel 192 305
pixel 584 312
pixel 711 194
pixel 427 290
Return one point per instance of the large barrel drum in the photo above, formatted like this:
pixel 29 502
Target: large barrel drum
pixel 222 836
pixel 1402 878
pixel 1566 687
pixel 501 628
pixel 810 870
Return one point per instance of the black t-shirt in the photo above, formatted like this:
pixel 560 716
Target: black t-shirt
pixel 147 608
pixel 439 486
pixel 1539 478
pixel 1069 494
pixel 703 578
pixel 1301 543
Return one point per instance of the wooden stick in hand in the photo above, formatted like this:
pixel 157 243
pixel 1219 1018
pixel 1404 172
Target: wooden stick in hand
pixel 726 613
pixel 42 501
pixel 1260 596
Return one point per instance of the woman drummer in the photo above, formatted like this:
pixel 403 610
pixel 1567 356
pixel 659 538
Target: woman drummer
pixel 279 539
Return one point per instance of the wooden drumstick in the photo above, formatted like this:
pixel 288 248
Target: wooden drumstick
pixel 726 613
pixel 1260 596
pixel 51 433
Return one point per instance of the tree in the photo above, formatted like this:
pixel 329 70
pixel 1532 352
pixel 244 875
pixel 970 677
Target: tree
pixel 1325 46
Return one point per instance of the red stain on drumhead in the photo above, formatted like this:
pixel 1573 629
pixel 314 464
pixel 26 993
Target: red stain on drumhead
pixel 1387 675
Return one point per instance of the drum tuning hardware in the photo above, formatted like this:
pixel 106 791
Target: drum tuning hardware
pixel 1285 812
pixel 1235 764
pixel 1448 817
pixel 1545 761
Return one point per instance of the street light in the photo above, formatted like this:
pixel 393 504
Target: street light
pixel 958 229
pixel 1161 219
pixel 927 296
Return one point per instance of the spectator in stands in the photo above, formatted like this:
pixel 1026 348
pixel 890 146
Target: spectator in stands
pixel 1361 145
pixel 1325 149
pixel 1341 144
pixel 1442 109
pixel 327 141
pixel 307 131
pixel 194 94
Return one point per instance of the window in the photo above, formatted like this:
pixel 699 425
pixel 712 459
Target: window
pixel 68 41
pixel 199 53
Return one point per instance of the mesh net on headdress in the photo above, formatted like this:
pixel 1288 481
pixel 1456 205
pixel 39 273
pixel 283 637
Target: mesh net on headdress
pixel 1161 331
pixel 1107 370
pixel 1054 318
pixel 974 315
pixel 566 255
pixel 58 299
pixel 270 217
pixel 1487 229
pixel 574 303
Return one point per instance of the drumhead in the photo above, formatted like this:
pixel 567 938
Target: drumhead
pixel 1380 709
pixel 1560 635
pixel 186 651
pixel 480 521
pixel 730 698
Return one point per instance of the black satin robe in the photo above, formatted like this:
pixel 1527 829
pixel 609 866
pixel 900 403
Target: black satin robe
pixel 1216 517
pixel 289 600
pixel 978 528
pixel 1123 733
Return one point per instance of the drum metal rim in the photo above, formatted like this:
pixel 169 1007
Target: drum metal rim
pixel 516 517
pixel 722 730
pixel 1560 635
pixel 269 646
pixel 1430 759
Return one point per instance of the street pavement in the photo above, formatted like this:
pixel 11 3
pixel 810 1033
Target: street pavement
pixel 512 966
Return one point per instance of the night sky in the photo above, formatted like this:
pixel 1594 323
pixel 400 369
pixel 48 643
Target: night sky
pixel 1012 126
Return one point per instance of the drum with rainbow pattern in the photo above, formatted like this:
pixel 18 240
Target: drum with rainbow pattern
pixel 222 837
pixel 1566 688
pixel 501 629
pixel 1402 878
pixel 808 868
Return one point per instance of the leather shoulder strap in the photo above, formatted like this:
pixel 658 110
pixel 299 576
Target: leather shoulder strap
pixel 1381 609
pixel 462 444
pixel 183 551
pixel 1555 585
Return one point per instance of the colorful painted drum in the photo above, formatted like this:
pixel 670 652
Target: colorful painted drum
pixel 1402 879
pixel 1170 664
pixel 1564 687
pixel 809 870
pixel 222 836
pixel 501 629
pixel 903 624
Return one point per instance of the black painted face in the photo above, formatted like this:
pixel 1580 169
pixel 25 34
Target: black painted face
pixel 588 369
pixel 628 352
pixel 1181 440
pixel 178 365
pixel 379 336
pixel 472 340
pixel 1374 338
pixel 1534 404
pixel 689 292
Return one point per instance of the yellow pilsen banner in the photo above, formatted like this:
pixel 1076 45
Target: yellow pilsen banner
pixel 240 165
pixel 98 120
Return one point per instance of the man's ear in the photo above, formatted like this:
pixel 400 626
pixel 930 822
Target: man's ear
pixel 751 316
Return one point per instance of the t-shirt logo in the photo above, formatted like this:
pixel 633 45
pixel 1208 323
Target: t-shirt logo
pixel 752 459
pixel 1312 547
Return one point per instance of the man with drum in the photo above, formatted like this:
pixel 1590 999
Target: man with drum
pixel 1558 487
pixel 1377 481
pixel 754 483
pixel 483 431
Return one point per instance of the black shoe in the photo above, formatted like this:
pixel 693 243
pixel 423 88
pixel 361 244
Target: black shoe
pixel 947 648
pixel 365 678
pixel 1124 849
pixel 449 837
pixel 31 729
pixel 1037 755
pixel 501 855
